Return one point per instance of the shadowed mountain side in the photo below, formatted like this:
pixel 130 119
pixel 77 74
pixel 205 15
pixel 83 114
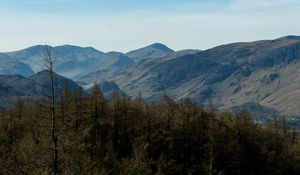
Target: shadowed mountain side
pixel 16 87
pixel 9 66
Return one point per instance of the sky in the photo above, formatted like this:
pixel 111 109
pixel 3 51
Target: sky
pixel 124 25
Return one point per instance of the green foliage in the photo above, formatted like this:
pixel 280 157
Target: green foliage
pixel 133 137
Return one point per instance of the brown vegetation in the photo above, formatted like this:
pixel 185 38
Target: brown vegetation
pixel 97 136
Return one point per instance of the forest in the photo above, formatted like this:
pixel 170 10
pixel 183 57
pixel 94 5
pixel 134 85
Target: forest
pixel 93 135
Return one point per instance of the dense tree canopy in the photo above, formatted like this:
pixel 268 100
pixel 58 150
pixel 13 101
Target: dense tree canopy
pixel 122 136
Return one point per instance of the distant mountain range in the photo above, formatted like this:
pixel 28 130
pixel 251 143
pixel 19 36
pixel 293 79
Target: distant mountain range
pixel 262 74
pixel 72 61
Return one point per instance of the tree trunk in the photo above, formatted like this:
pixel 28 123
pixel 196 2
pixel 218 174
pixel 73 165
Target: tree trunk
pixel 53 117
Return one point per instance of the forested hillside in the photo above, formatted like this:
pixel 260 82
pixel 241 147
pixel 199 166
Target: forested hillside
pixel 121 136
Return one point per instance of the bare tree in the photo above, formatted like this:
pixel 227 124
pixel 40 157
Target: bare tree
pixel 54 134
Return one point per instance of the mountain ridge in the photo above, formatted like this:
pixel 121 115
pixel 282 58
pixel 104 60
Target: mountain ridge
pixel 263 72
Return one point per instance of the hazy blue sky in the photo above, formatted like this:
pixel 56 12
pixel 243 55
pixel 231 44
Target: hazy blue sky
pixel 128 24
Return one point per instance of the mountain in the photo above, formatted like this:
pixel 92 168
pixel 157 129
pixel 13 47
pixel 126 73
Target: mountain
pixel 69 60
pixel 12 67
pixel 72 61
pixel 264 72
pixel 152 51
pixel 13 87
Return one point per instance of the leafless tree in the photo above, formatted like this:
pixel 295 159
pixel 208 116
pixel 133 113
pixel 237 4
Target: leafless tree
pixel 54 134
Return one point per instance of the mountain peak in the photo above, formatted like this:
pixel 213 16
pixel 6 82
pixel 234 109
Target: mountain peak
pixel 154 50
pixel 160 46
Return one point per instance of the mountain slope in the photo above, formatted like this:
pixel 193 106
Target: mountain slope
pixel 115 61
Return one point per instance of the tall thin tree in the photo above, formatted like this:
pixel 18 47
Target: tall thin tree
pixel 54 135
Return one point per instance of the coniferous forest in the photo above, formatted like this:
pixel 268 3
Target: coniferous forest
pixel 87 134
